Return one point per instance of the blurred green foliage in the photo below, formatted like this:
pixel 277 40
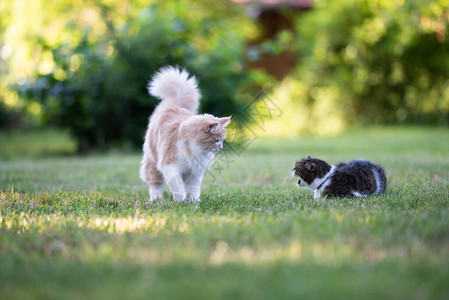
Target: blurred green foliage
pixel 84 65
pixel 95 84
pixel 382 61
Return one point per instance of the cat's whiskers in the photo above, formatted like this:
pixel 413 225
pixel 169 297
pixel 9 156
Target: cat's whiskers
pixel 287 176
pixel 287 172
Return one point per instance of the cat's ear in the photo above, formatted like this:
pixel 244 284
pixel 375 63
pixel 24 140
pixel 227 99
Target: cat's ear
pixel 225 121
pixel 212 127
pixel 308 156
pixel 310 167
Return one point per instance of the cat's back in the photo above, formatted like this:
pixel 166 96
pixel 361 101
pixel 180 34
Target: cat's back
pixel 167 118
pixel 163 128
pixel 377 171
pixel 356 165
pixel 365 175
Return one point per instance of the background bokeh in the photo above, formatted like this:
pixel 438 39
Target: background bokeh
pixel 83 65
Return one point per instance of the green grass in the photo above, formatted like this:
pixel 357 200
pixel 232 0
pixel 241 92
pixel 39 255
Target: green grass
pixel 81 227
pixel 33 143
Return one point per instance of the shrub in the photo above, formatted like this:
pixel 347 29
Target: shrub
pixel 98 89
pixel 384 61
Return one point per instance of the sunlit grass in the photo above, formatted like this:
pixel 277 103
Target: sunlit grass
pixel 81 227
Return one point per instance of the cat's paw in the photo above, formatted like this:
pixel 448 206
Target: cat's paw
pixel 179 196
pixel 193 200
pixel 155 196
pixel 193 193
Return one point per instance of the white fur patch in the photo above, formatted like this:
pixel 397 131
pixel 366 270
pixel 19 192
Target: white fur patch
pixel 326 177
pixel 170 171
pixel 193 188
pixel 177 86
pixel 174 181
pixel 155 193
pixel 377 178
pixel 201 160
pixel 184 178
pixel 357 194
pixel 315 183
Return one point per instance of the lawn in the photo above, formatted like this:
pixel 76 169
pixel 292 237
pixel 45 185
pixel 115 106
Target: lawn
pixel 80 227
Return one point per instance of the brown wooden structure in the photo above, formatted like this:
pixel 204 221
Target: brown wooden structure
pixel 274 16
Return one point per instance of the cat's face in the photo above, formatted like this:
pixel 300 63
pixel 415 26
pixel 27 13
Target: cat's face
pixel 213 133
pixel 308 170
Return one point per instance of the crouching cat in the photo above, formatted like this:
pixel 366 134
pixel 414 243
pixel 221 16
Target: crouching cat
pixel 357 178
pixel 179 144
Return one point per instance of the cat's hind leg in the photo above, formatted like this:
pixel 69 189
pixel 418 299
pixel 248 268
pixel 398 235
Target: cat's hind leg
pixel 150 174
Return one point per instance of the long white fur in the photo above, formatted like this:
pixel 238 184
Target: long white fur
pixel 173 84
pixel 155 193
pixel 198 163
pixel 174 181
pixel 184 177
pixel 377 178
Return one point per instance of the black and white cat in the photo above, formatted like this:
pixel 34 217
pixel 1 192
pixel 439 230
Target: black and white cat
pixel 357 178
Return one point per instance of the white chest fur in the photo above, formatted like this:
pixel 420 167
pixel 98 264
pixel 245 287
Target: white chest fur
pixel 193 159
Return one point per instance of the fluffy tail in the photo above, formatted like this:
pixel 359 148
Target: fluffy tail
pixel 380 177
pixel 174 85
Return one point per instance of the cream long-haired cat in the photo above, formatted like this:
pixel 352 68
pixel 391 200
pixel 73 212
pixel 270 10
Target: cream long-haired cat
pixel 179 144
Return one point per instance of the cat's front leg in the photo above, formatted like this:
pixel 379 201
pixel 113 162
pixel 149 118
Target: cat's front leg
pixel 193 188
pixel 155 193
pixel 174 181
pixel 316 194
